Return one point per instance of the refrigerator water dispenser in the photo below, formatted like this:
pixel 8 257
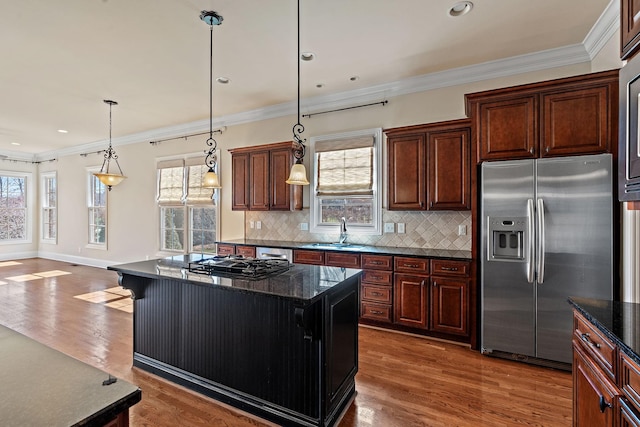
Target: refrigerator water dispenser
pixel 506 239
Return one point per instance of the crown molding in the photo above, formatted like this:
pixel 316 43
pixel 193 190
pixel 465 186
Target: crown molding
pixel 604 28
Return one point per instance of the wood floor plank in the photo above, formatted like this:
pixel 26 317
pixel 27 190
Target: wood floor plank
pixel 402 381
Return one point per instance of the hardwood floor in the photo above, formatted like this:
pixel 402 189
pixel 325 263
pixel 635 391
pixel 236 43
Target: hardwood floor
pixel 402 381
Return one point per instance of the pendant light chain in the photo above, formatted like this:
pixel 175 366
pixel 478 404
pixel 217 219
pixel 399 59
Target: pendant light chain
pixel 210 160
pixel 298 128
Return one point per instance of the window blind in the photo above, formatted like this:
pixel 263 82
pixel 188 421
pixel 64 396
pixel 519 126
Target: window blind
pixel 171 181
pixel 345 167
pixel 196 169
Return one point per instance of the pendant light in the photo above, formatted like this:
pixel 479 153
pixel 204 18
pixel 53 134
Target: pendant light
pixel 110 179
pixel 210 179
pixel 298 175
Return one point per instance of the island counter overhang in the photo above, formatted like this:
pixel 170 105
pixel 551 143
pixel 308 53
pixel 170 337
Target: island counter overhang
pixel 284 348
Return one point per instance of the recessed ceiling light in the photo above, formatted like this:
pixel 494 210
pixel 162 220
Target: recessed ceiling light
pixel 307 56
pixel 223 80
pixel 15 143
pixel 354 78
pixel 63 131
pixel 461 8
pixel 320 85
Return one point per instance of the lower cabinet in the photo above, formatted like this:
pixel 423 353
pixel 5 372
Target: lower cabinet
pixel 411 300
pixel 449 305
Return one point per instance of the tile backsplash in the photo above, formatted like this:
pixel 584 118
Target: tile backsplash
pixel 432 230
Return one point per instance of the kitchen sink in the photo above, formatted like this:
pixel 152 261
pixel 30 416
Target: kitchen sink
pixel 341 246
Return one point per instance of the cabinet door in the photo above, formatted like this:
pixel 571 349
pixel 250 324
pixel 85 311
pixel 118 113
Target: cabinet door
pixel 628 416
pixel 594 398
pixel 411 300
pixel 308 257
pixel 507 127
pixel 342 259
pixel 449 305
pixel 246 251
pixel 448 163
pixel 224 249
pixel 259 175
pixel 279 172
pixel 577 121
pixel 240 182
pixel 629 28
pixel 407 172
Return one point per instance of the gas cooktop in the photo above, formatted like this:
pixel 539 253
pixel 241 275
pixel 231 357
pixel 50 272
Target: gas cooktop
pixel 238 266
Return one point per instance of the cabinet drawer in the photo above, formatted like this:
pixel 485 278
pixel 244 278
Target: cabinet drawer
pixel 378 277
pixel 341 259
pixel 376 293
pixel 443 267
pixel 377 262
pixel 595 344
pixel 411 265
pixel 247 251
pixel 373 311
pixel 308 257
pixel 630 379
pixel 226 249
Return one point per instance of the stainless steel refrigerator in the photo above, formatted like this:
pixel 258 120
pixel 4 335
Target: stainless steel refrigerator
pixel 547 234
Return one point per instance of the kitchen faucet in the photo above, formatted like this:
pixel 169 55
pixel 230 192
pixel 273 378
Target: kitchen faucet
pixel 343 230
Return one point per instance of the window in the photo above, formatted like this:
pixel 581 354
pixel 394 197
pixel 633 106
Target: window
pixel 188 213
pixel 346 182
pixel 13 207
pixel 97 207
pixel 49 202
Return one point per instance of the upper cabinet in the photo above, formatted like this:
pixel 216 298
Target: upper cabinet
pixel 629 28
pixel 570 116
pixel 259 175
pixel 429 166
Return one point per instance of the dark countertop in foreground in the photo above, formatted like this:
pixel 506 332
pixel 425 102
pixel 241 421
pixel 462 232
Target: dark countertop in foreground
pixel 44 387
pixel 619 321
pixel 305 283
pixel 379 250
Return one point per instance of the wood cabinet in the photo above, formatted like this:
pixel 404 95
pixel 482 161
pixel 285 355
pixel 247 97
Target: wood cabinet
pixel 429 166
pixel 629 28
pixel 411 292
pixel 376 288
pixel 301 256
pixel 569 116
pixel 449 302
pixel 226 249
pixel 606 381
pixel 342 259
pixel 246 251
pixel 259 174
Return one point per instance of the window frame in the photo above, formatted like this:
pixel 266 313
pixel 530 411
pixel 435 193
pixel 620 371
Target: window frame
pixel 44 206
pixel 375 228
pixel 29 203
pixel 184 203
pixel 91 178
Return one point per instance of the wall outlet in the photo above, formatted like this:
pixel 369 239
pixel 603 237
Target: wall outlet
pixel 388 227
pixel 462 230
pixel 304 226
pixel 258 225
pixel 252 224
pixel 401 228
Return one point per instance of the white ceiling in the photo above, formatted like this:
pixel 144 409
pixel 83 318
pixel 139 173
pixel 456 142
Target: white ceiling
pixel 61 59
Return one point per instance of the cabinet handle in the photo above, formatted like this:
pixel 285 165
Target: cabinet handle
pixel 531 150
pixel 449 268
pixel 376 277
pixel 585 338
pixel 375 262
pixel 376 294
pixel 547 149
pixel 435 284
pixel 604 404
pixel 411 265
pixel 422 204
pixel 380 312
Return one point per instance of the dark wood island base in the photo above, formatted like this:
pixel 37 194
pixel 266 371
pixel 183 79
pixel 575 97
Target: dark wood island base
pixel 283 348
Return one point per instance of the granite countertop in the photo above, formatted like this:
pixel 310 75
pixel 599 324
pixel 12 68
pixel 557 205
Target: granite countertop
pixel 378 250
pixel 44 387
pixel 302 282
pixel 619 321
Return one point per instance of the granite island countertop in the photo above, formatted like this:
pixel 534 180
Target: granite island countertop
pixel 364 249
pixel 44 387
pixel 301 282
pixel 619 321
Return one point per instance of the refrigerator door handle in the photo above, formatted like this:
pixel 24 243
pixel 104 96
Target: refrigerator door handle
pixel 530 246
pixel 541 249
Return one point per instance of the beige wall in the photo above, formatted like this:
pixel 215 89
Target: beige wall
pixel 132 212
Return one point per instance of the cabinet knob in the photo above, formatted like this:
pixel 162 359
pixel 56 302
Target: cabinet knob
pixel 585 338
pixel 603 404
pixel 546 149
pixel 531 150
pixel 435 284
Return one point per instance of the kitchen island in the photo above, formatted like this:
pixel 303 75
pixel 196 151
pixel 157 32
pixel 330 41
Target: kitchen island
pixel 284 347
pixel 44 387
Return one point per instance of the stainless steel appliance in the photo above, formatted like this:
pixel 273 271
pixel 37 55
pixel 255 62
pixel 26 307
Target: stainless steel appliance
pixel 546 234
pixel 267 253
pixel 237 266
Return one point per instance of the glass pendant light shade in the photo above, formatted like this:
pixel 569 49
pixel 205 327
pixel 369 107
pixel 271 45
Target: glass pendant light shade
pixel 211 180
pixel 298 175
pixel 110 179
